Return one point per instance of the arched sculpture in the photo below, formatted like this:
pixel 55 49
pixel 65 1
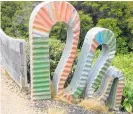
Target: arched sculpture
pixel 44 16
pixel 91 82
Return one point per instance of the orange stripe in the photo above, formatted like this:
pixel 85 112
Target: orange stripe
pixel 39 24
pixel 40 29
pixel 119 90
pixel 56 4
pixel 70 98
pixel 63 78
pixel 73 52
pixel 121 82
pixel 72 56
pixel 118 97
pixel 70 60
pixel 44 15
pixel 119 94
pixel 118 101
pixel 94 46
pixel 54 12
pixel 75 41
pixel 61 86
pixel 61 82
pixel 74 47
pixel 38 17
pixel 76 27
pixel 68 65
pixel 67 69
pixel 76 20
pixel 65 74
pixel 60 10
pixel 95 43
pixel 44 12
pixel 39 21
pixel 76 33
pixel 93 49
pixel 63 11
pixel 68 13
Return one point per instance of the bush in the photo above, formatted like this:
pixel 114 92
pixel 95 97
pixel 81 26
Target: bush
pixel 56 49
pixel 124 62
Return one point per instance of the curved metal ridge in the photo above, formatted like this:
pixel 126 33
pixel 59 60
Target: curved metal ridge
pixel 84 74
pixel 111 88
pixel 105 38
pixel 44 16
pixel 115 96
pixel 86 78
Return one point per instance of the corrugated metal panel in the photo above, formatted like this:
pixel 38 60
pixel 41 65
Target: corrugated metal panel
pixel 44 16
pixel 40 69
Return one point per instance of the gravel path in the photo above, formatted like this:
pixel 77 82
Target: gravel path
pixel 14 101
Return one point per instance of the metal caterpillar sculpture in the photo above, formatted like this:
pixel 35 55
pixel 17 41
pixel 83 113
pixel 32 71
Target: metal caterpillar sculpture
pixel 86 79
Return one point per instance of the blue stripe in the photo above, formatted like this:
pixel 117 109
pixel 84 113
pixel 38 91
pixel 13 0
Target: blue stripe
pixel 99 38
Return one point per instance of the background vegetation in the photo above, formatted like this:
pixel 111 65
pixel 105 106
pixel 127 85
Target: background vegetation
pixel 116 16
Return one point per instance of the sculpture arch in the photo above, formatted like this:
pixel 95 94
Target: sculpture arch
pixel 85 78
pixel 44 16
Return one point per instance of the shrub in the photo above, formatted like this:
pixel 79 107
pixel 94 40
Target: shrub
pixel 55 110
pixel 124 62
pixel 56 49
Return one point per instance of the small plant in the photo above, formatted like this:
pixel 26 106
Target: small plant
pixel 55 110
pixel 53 94
pixel 128 94
pixel 93 104
pixel 60 97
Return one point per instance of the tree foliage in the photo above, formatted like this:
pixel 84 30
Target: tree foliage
pixel 116 16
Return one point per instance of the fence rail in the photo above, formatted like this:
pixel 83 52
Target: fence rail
pixel 13 52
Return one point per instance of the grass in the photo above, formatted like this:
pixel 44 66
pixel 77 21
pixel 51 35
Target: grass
pixel 62 98
pixel 55 110
pixel 93 104
pixel 6 74
pixel 124 62
pixel 58 97
pixel 53 94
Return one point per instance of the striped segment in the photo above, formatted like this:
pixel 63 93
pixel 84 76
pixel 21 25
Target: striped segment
pixel 86 73
pixel 119 92
pixel 111 88
pixel 44 16
pixel 104 90
pixel 68 65
pixel 94 45
pixel 106 39
pixel 40 69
